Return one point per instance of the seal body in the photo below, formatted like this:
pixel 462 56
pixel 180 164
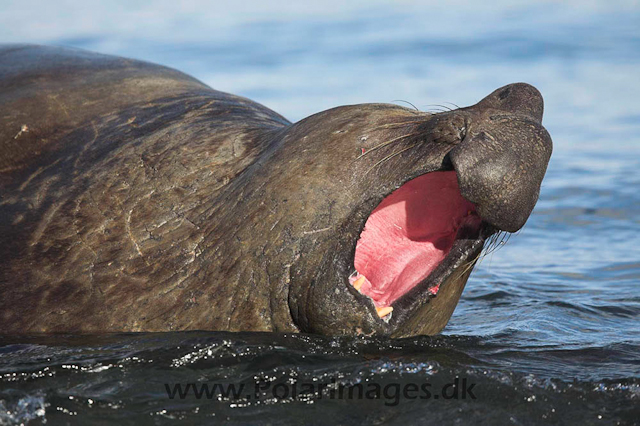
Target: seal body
pixel 136 198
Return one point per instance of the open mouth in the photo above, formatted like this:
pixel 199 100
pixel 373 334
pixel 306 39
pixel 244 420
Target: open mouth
pixel 408 236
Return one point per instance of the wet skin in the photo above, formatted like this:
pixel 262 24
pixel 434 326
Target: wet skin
pixel 136 198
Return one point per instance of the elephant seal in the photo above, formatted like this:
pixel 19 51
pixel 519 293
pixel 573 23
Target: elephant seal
pixel 136 198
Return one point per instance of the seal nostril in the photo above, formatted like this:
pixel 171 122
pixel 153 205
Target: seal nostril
pixel 504 93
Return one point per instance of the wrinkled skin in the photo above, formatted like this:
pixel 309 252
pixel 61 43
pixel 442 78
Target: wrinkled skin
pixel 135 198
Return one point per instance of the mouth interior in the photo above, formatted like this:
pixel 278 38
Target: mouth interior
pixel 409 234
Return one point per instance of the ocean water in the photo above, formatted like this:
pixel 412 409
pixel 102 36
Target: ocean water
pixel 547 331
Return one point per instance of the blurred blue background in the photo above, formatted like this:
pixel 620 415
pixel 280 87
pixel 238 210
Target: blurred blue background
pixel 300 57
pixel 562 299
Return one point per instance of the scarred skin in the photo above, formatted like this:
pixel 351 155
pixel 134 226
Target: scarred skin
pixel 135 198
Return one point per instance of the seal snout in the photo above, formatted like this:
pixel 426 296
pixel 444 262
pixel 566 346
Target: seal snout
pixel 518 98
pixel 503 159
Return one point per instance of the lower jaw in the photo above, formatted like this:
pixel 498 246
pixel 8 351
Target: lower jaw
pixel 408 238
pixel 424 311
pixel 420 311
pixel 432 316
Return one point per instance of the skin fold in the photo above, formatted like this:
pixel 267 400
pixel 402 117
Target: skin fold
pixel 135 198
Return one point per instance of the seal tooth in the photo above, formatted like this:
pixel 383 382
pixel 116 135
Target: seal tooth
pixel 383 312
pixel 358 283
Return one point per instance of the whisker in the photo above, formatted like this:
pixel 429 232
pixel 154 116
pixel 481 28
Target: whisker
pixel 396 125
pixel 493 243
pixel 445 108
pixel 469 265
pixel 388 157
pixel 407 102
pixel 386 143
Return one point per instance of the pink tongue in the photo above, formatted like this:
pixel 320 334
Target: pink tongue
pixel 409 234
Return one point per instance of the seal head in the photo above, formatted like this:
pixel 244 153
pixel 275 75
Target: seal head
pixel 418 204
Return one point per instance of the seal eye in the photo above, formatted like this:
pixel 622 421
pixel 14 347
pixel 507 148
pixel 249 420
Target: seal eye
pixel 462 132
